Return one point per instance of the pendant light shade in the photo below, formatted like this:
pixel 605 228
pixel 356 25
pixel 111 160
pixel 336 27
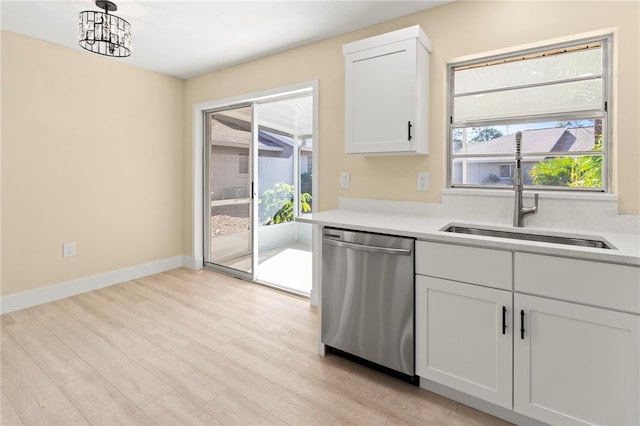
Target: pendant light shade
pixel 103 33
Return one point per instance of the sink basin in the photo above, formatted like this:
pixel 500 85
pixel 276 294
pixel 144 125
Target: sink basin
pixel 555 239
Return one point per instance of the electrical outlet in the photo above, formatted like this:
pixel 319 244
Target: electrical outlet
pixel 68 249
pixel 422 181
pixel 344 180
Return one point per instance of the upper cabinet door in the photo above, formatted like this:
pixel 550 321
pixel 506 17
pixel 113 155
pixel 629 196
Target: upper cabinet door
pixel 386 94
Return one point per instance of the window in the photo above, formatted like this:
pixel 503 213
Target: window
pixel 309 164
pixel 243 164
pixel 506 170
pixel 556 96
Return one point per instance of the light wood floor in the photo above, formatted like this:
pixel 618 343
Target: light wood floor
pixel 195 348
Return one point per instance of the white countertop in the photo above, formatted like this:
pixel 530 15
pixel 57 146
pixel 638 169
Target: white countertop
pixel 626 252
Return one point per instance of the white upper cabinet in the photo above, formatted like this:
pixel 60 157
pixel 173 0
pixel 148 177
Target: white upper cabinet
pixel 387 93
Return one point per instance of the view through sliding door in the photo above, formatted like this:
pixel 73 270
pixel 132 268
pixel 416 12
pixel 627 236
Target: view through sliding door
pixel 258 179
pixel 228 182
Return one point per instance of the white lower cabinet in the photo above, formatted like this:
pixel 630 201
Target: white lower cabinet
pixel 569 352
pixel 575 364
pixel 464 338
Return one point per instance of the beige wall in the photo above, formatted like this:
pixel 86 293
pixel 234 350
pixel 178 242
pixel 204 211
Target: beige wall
pixel 98 152
pixel 91 153
pixel 458 29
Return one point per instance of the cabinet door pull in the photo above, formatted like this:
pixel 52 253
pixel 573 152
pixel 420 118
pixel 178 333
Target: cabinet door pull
pixel 522 324
pixel 409 130
pixel 504 320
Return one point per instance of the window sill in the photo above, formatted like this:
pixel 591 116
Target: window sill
pixel 548 194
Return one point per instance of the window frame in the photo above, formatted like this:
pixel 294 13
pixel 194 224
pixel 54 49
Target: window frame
pixel 606 41
pixel 510 166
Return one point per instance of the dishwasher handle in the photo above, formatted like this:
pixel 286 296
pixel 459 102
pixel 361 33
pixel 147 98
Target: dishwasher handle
pixel 371 249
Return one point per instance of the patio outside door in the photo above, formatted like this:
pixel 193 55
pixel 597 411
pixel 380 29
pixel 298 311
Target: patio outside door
pixel 229 176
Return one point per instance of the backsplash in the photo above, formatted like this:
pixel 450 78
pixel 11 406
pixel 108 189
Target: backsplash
pixel 562 211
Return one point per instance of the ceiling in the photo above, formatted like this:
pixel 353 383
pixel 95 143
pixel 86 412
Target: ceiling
pixel 189 38
pixel 292 116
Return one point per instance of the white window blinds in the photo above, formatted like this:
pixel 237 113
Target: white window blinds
pixel 551 82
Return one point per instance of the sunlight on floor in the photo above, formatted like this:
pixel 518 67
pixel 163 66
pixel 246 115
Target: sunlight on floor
pixel 288 267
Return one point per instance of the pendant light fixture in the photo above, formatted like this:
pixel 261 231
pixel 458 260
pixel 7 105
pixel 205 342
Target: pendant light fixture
pixel 105 34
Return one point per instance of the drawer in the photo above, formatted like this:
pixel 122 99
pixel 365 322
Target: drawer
pixel 593 283
pixel 491 268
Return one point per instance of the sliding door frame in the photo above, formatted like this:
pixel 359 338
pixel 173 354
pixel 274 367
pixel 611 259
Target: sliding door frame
pixel 199 175
pixel 253 173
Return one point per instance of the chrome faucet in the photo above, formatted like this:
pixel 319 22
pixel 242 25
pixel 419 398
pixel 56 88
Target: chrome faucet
pixel 520 211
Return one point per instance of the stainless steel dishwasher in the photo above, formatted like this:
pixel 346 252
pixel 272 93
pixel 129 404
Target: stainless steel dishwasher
pixel 368 298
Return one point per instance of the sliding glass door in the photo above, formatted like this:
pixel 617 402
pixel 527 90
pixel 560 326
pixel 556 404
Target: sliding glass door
pixel 258 163
pixel 285 134
pixel 229 185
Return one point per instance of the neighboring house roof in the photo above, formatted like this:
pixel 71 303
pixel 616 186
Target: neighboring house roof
pixel 267 141
pixel 272 142
pixel 556 139
pixel 584 139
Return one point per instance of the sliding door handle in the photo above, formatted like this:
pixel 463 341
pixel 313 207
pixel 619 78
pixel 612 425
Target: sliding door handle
pixel 409 137
pixel 522 324
pixel 504 320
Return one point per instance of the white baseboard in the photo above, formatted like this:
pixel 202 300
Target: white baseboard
pixel 479 404
pixel 31 298
pixel 193 263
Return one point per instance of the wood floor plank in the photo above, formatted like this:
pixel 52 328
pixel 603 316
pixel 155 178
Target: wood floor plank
pixel 176 302
pixel 259 306
pixel 8 415
pixel 120 293
pixel 231 408
pixel 171 370
pixel 16 317
pixel 413 405
pixel 140 386
pixel 307 364
pixel 175 409
pixel 396 421
pixel 372 388
pixel 60 363
pixel 238 319
pixel 343 422
pixel 192 348
pixel 180 322
pixel 279 401
pixel 102 404
pixel 34 397
pixel 156 332
pixel 325 395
